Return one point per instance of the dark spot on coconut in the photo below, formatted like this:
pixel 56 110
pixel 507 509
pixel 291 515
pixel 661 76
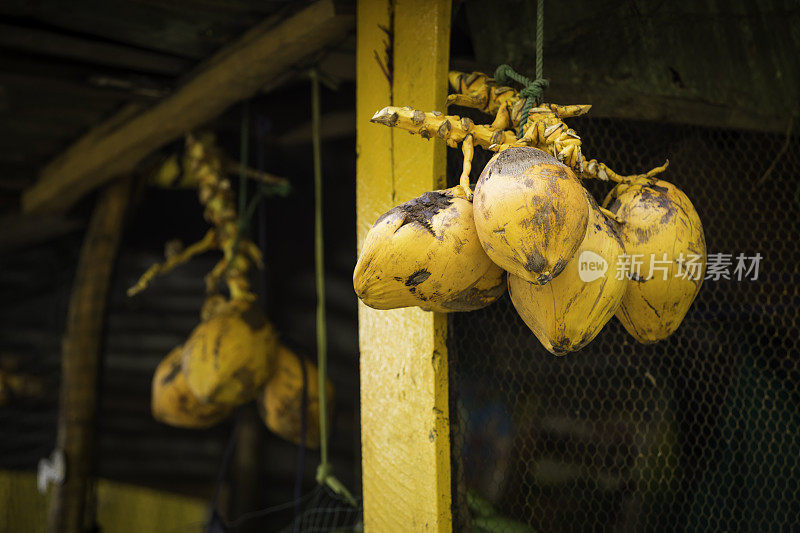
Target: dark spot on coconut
pixel 417 277
pixel 515 161
pixel 559 267
pixel 551 174
pixel 643 234
pixel 656 200
pixel 473 298
pixel 651 307
pixel 254 317
pixel 217 344
pixel 173 373
pixel 598 227
pixel 398 278
pixel 423 208
pixel 561 346
pixel 634 276
pixel 242 375
pixel 590 199
pixel 659 188
pixel 535 262
pixel 615 205
pixel 584 340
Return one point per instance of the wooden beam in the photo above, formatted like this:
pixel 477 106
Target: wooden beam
pixel 233 74
pixel 89 50
pixel 18 231
pixel 80 355
pixel 405 434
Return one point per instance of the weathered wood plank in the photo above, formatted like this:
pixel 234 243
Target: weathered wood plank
pixel 405 433
pixel 17 231
pixel 89 50
pixel 245 67
pixel 183 30
pixel 80 356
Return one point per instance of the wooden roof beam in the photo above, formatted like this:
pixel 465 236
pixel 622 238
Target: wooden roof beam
pixel 92 51
pixel 236 72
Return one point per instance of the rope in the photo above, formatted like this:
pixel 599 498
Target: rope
pixel 324 471
pixel 319 263
pixel 532 89
pixel 540 39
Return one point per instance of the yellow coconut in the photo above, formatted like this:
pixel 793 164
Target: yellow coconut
pixel 569 311
pixel 280 402
pixel 426 253
pixel 173 403
pixel 230 355
pixel 530 213
pixel 663 236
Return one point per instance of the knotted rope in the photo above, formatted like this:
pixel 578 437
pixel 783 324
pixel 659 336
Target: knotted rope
pixel 532 90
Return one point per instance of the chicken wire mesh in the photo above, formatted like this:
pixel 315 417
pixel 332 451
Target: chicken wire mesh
pixel 697 432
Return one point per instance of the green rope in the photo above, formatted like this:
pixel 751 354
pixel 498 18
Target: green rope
pixel 324 470
pixel 533 89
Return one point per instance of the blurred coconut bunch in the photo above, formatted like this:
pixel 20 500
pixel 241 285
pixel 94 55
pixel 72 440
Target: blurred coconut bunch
pixel 233 355
pixel 531 226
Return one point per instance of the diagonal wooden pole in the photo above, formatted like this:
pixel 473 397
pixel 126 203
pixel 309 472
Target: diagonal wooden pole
pixel 80 355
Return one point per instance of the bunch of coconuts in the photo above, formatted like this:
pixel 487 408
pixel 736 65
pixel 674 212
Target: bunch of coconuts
pixel 234 356
pixel 528 227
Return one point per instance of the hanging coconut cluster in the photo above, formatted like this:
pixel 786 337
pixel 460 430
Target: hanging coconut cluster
pixel 233 355
pixel 531 226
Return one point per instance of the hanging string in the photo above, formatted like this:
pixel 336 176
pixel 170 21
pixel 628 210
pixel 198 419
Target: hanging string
pixel 540 39
pixel 324 473
pixel 247 210
pixel 532 90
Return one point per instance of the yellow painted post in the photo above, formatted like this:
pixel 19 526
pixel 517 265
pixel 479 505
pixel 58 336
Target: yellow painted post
pixel 404 391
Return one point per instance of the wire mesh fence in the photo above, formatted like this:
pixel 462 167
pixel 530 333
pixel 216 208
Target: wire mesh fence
pixel 700 432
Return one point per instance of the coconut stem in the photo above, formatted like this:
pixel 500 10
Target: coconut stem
pixel 613 216
pixel 204 162
pixel 544 128
pixel 467 149
pixel 208 242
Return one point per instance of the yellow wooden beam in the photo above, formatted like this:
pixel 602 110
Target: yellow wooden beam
pixel 404 390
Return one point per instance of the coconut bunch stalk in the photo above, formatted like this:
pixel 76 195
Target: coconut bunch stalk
pixel 543 127
pixel 230 354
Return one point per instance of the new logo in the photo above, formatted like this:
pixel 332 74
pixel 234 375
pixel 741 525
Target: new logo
pixel 591 266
